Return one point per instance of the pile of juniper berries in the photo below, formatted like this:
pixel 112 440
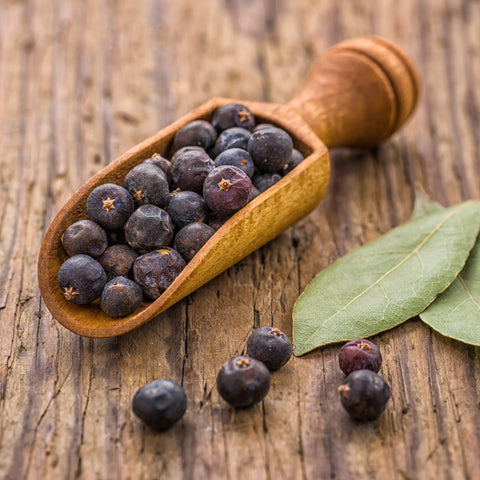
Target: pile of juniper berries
pixel 140 235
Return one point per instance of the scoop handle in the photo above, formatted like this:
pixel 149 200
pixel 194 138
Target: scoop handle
pixel 359 93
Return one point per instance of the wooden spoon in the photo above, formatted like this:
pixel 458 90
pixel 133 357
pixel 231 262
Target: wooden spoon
pixel 356 95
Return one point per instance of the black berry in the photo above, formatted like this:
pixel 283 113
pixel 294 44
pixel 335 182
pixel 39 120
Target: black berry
pixel 148 228
pixel 164 165
pixel 148 184
pixel 270 149
pixel 263 181
pixel 227 189
pixel 255 193
pixel 233 115
pixel 235 137
pixel 110 205
pixel 238 158
pixel 199 133
pixel 364 395
pixel 271 346
pixel 183 150
pixel 156 270
pixel 190 170
pixel 191 238
pixel 243 381
pixel 295 160
pixel 359 354
pixel 120 297
pixel 85 236
pixel 117 261
pixel 216 220
pixel 261 126
pixel 81 279
pixel 160 404
pixel 187 207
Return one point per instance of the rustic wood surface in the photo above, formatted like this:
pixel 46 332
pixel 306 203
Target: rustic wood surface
pixel 80 83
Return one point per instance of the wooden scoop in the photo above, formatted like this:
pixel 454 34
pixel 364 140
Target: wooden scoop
pixel 356 95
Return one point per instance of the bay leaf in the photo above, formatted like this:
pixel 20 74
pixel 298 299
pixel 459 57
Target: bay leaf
pixel 424 205
pixel 387 281
pixel 456 312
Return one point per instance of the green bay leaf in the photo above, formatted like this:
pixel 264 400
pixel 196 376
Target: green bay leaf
pixel 456 312
pixel 387 281
pixel 424 205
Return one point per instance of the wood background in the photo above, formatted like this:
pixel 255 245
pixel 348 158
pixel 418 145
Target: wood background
pixel 83 81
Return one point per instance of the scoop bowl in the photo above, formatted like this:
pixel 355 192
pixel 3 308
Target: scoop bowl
pixel 356 95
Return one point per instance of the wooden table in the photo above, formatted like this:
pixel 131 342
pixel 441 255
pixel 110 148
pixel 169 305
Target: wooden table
pixel 83 81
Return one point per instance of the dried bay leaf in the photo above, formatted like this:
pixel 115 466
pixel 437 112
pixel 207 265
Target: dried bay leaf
pixel 424 206
pixel 387 281
pixel 456 312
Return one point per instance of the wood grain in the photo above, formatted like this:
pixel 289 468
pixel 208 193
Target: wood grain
pixel 81 83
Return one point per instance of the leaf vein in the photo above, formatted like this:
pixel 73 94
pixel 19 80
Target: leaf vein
pixel 467 291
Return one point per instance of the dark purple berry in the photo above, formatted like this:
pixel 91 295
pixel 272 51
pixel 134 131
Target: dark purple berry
pixel 255 193
pixel 149 227
pixel 191 238
pixel 295 160
pixel 186 207
pixel 164 165
pixel 232 138
pixel 183 150
pixel 156 270
pixel 160 404
pixel 243 381
pixel 271 346
pixel 190 170
pixel 117 261
pixel 148 184
pixel 238 158
pixel 81 279
pixel 261 126
pixel 364 395
pixel 216 220
pixel 233 115
pixel 198 133
pixel 359 354
pixel 110 205
pixel 121 297
pixel 263 181
pixel 85 236
pixel 270 149
pixel 227 189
